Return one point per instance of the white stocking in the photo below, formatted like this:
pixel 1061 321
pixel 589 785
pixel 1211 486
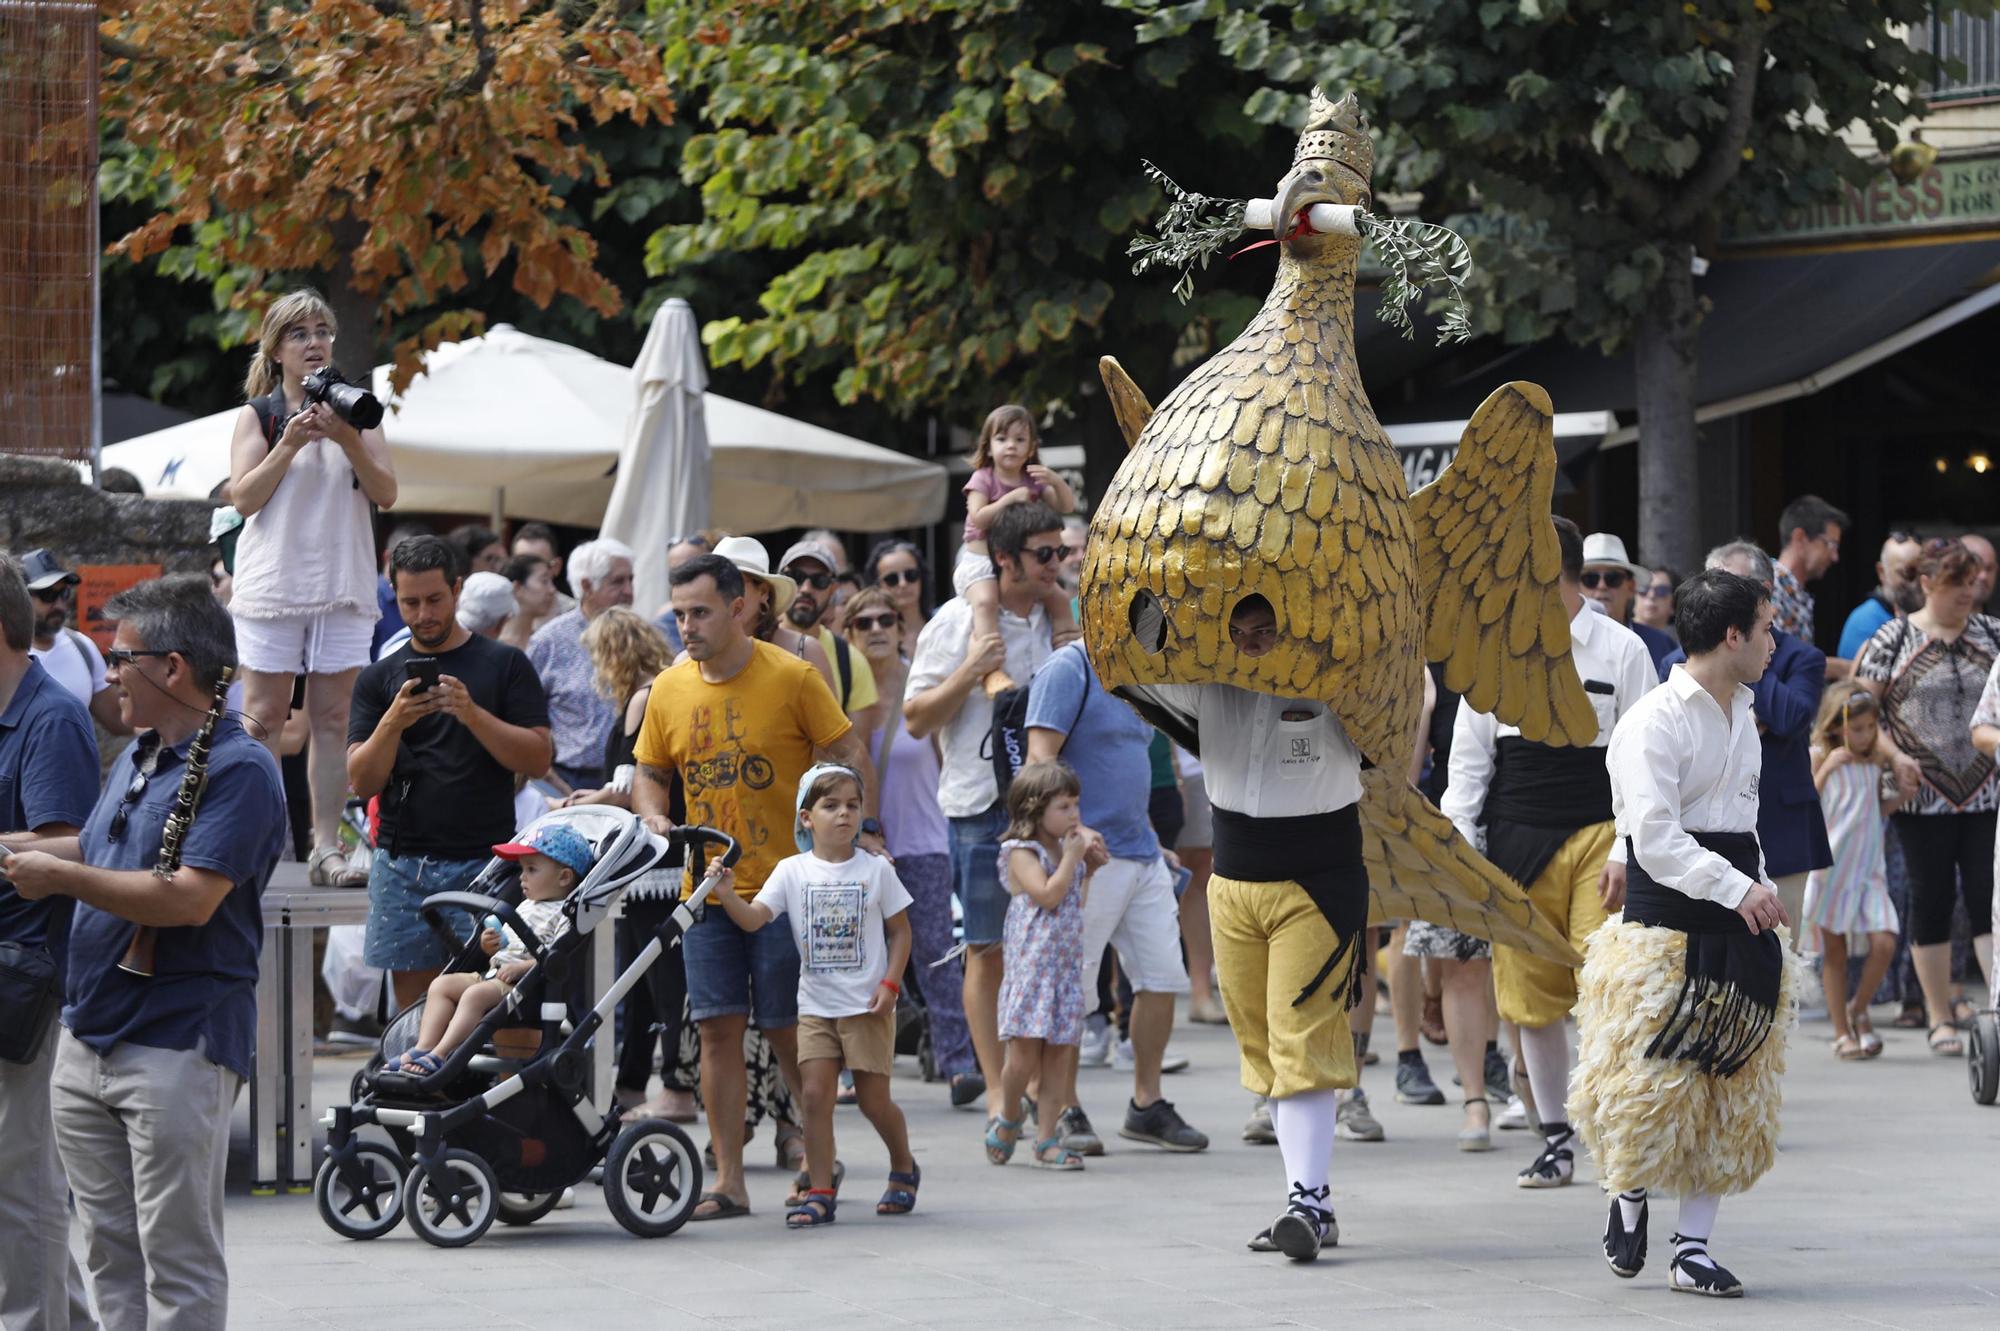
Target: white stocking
pixel 1304 1124
pixel 1697 1220
pixel 1545 1049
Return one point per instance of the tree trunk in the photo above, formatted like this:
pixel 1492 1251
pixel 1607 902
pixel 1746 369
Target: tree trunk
pixel 355 312
pixel 1663 363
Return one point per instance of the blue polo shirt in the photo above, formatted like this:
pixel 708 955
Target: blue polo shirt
pixel 1105 744
pixel 1862 622
pixel 203 992
pixel 48 774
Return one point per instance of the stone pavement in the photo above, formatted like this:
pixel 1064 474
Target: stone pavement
pixel 1881 1213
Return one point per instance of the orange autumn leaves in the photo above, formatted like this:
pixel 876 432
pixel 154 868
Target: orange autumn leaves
pixel 409 137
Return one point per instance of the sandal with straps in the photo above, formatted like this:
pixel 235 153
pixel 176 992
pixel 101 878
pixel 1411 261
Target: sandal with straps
pixel 1000 1149
pixel 1863 1026
pixel 1052 1154
pixel 1702 1274
pixel 901 1197
pixel 1848 1049
pixel 816 1210
pixel 1555 1167
pixel 1944 1041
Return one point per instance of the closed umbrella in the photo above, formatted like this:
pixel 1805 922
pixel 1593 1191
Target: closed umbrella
pixel 662 490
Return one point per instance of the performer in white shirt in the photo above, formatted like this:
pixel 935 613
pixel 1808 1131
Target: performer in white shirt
pixel 1542 814
pixel 1288 906
pixel 1684 1006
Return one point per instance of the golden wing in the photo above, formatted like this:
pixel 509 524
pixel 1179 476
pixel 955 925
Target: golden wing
pixel 1128 401
pixel 1420 868
pixel 1489 560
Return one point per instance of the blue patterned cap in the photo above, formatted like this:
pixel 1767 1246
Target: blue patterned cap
pixel 562 844
pixel 801 834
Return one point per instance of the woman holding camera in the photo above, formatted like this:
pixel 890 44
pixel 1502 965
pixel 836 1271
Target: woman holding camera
pixel 305 481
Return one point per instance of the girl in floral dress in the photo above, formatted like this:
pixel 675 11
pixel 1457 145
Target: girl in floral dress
pixel 1045 862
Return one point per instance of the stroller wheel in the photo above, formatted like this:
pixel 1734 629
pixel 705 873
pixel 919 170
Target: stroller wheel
pixel 652 1178
pixel 360 1196
pixel 455 1203
pixel 1982 1056
pixel 525 1208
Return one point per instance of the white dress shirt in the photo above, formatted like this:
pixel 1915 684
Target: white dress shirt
pixel 1606 653
pixel 1263 756
pixel 965 782
pixel 1678 765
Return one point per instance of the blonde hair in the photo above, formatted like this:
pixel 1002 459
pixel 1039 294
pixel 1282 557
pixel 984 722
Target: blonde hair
pixel 626 652
pixel 865 599
pixel 1033 789
pixel 294 307
pixel 1841 703
pixel 999 419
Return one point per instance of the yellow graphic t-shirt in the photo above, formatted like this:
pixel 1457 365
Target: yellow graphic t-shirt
pixel 740 748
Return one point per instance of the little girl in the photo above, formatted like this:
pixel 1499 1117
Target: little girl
pixel 850 918
pixel 1851 772
pixel 553 860
pixel 1004 472
pixel 1045 862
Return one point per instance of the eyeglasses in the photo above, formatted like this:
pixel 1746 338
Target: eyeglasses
pixel 867 623
pixel 1046 554
pixel 124 811
pixel 62 591
pixel 819 582
pixel 124 656
pixel 1072 552
pixel 1658 591
pixel 1612 578
pixel 299 337
pixel 1830 542
pixel 897 577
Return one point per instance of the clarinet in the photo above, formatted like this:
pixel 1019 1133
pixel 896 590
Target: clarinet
pixel 194 780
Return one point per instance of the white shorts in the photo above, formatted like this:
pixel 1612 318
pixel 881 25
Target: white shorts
pixel 970 567
pixel 322 644
pixel 1197 823
pixel 1131 906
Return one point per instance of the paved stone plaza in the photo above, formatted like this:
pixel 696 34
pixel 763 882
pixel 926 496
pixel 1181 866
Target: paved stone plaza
pixel 1881 1213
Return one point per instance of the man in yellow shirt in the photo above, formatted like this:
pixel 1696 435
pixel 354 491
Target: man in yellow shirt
pixel 740 721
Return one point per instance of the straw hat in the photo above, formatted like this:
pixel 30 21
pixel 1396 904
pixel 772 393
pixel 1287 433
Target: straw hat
pixel 754 561
pixel 1602 547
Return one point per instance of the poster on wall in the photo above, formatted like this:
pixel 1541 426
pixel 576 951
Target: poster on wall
pixel 101 582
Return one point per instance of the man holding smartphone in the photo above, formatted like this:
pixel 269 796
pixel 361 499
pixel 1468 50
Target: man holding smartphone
pixel 439 728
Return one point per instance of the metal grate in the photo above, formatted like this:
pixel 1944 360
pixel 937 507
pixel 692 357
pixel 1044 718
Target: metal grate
pixel 1974 42
pixel 48 228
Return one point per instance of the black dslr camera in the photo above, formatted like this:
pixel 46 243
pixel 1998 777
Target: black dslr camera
pixel 352 403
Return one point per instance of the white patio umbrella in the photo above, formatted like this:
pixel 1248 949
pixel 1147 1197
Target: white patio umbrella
pixel 535 428
pixel 662 490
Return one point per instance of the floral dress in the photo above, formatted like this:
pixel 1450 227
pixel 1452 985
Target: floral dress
pixel 1041 992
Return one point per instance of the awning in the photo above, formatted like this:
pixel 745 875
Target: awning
pixel 1777 327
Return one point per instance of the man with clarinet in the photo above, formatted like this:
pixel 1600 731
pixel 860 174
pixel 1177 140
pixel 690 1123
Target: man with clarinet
pixel 160 1014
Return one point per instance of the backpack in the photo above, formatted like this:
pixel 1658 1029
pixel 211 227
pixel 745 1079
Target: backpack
pixel 1006 744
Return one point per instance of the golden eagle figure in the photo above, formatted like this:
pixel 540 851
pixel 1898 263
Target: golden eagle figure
pixel 1266 473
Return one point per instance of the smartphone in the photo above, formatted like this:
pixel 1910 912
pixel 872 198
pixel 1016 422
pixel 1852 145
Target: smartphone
pixel 1182 877
pixel 423 669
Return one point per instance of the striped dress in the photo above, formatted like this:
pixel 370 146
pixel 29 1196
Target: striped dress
pixel 1852 897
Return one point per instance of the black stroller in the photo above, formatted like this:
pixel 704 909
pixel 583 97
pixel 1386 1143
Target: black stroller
pixel 488 1137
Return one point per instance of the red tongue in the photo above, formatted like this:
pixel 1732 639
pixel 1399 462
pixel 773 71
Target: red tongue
pixel 1301 226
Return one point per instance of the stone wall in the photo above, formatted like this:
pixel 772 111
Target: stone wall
pixel 49 504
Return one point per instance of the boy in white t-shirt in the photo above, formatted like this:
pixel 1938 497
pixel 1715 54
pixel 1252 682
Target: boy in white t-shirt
pixel 848 914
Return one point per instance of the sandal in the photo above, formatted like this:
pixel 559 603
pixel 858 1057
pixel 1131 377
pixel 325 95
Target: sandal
pixel 901 1198
pixel 1052 1154
pixel 1432 1021
pixel 846 1095
pixel 816 1210
pixel 1864 1031
pixel 1944 1041
pixel 790 1146
pixel 1962 1013
pixel 420 1062
pixel 725 1207
pixel 802 1184
pixel 1000 1149
pixel 1848 1049
pixel 1909 1019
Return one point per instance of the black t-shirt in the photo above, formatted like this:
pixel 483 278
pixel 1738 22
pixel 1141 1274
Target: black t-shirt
pixel 447 796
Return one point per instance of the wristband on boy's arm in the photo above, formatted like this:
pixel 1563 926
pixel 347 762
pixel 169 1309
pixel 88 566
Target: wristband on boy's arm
pixel 893 987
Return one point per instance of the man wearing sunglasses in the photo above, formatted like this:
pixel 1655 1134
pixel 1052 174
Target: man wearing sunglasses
pixel 1612 581
pixel 148 1065
pixel 814 567
pixel 48 782
pixel 70 658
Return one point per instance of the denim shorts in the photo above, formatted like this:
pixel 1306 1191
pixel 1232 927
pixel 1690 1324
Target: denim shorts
pixel 975 875
pixel 733 973
pixel 398 938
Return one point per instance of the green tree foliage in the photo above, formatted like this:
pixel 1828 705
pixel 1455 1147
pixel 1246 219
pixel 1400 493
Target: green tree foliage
pixel 1605 143
pixel 948 187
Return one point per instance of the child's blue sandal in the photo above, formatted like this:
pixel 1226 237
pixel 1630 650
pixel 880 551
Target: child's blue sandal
pixel 816 1210
pixel 1051 1154
pixel 1001 1149
pixel 901 1198
pixel 420 1062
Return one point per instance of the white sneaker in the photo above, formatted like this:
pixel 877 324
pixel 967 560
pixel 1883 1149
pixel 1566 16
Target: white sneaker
pixel 1122 1059
pixel 1094 1050
pixel 1514 1118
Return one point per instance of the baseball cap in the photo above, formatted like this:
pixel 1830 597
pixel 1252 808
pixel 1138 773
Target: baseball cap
pixel 562 844
pixel 801 834
pixel 486 599
pixel 40 571
pixel 810 550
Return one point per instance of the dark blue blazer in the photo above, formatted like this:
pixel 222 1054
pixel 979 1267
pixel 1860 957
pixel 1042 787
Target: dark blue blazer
pixel 1660 646
pixel 1790 825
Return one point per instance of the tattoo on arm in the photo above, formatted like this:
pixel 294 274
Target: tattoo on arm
pixel 659 776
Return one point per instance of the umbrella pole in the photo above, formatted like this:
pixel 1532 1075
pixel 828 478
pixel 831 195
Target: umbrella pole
pixel 499 523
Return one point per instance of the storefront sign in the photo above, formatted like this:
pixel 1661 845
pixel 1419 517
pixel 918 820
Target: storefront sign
pixel 98 584
pixel 1953 194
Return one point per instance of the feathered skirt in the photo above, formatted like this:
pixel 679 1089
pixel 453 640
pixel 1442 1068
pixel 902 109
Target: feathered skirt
pixel 1664 1124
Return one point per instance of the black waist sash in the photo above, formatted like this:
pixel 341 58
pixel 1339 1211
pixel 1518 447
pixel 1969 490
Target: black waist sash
pixel 1540 797
pixel 1729 995
pixel 1321 852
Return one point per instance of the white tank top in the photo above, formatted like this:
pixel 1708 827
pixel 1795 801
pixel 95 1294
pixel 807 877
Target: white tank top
pixel 311 548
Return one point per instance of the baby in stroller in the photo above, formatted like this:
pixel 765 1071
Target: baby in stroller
pixel 553 859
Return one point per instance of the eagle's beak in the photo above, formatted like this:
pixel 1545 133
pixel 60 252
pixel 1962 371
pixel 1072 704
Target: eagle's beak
pixel 1305 186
